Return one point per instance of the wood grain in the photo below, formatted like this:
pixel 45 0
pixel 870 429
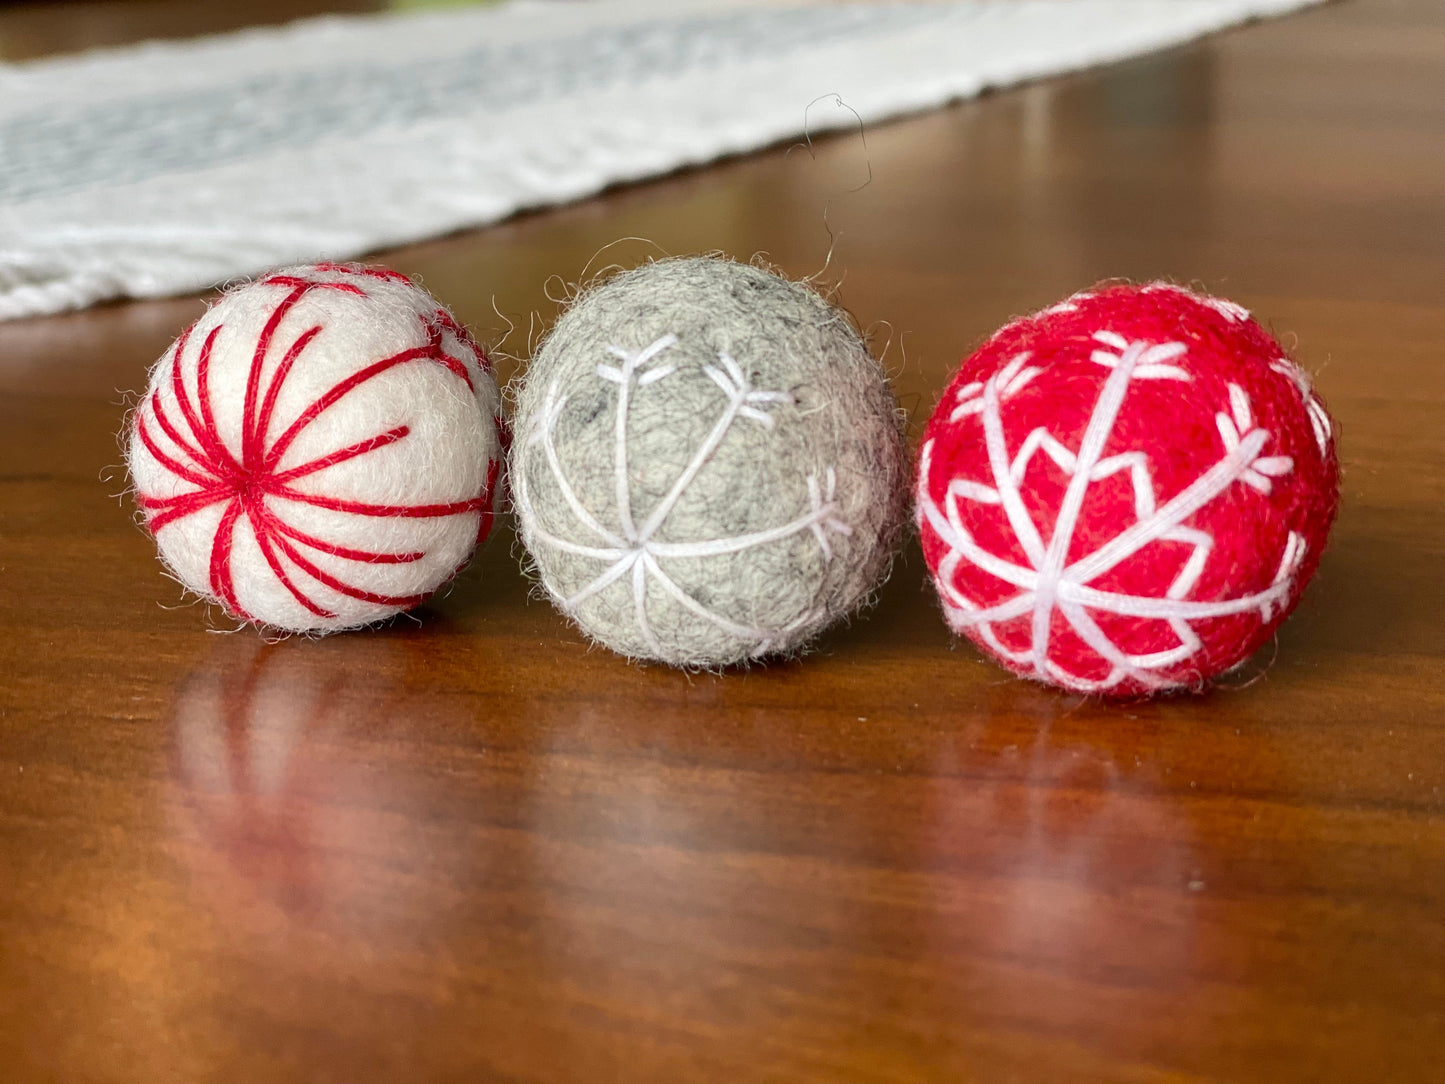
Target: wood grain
pixel 476 850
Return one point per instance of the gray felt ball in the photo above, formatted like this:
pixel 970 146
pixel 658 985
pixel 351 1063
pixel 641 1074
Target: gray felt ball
pixel 708 465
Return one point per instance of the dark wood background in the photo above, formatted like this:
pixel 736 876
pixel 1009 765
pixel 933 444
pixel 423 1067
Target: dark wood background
pixel 475 850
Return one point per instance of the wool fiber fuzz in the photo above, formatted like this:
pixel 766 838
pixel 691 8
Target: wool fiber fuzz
pixel 709 465
pixel 1126 492
pixel 320 450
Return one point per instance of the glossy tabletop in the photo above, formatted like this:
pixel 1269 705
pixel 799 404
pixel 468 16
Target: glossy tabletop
pixel 471 848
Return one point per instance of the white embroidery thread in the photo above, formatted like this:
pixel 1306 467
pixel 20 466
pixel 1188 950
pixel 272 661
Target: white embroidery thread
pixel 1231 311
pixel 632 548
pixel 1047 583
pixel 1318 415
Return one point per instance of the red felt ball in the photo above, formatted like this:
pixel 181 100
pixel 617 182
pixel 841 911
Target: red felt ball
pixel 1126 492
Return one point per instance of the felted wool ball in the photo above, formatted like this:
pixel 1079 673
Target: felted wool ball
pixel 320 450
pixel 1126 492
pixel 709 464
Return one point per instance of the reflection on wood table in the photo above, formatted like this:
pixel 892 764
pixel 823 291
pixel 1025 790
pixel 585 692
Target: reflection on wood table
pixel 475 849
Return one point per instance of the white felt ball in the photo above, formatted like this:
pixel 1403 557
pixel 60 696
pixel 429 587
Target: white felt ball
pixel 709 464
pixel 320 450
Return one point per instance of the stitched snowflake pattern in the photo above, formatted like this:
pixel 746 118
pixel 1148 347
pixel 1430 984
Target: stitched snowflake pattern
pixel 1049 582
pixel 631 548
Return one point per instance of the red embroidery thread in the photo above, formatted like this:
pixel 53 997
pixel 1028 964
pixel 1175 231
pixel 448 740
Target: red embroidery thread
pixel 245 483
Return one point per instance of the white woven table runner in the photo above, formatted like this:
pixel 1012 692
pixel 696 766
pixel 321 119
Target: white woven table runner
pixel 167 168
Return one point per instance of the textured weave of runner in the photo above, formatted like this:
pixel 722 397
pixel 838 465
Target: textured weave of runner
pixel 170 167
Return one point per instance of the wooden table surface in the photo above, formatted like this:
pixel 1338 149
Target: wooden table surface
pixel 475 849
